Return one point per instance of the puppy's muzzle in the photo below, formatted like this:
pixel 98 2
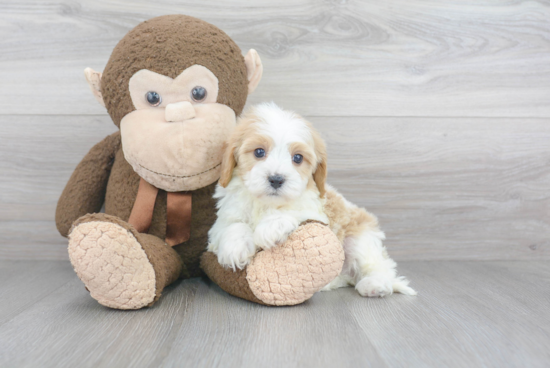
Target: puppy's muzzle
pixel 276 181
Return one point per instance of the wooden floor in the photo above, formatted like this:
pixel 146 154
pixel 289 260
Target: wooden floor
pixel 467 314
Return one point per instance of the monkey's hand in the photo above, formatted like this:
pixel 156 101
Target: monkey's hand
pixel 274 229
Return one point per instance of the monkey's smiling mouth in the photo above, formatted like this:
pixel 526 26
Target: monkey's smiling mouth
pixel 180 176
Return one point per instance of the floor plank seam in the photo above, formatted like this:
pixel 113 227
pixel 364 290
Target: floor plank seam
pixel 36 301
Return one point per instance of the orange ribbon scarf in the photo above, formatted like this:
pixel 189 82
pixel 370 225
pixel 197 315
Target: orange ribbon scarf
pixel 178 213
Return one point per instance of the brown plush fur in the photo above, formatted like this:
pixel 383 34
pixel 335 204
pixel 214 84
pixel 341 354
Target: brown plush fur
pixel 234 283
pixel 85 191
pixel 162 45
pixel 121 190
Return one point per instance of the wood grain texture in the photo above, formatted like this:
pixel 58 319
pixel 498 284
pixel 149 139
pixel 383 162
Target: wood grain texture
pixel 24 284
pixel 70 327
pixel 37 156
pixel 447 188
pixel 467 314
pixel 443 188
pixel 322 58
pixel 211 337
pixel 38 240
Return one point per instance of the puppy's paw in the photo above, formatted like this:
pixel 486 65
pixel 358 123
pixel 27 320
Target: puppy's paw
pixel 274 230
pixel 375 285
pixel 236 254
pixel 236 249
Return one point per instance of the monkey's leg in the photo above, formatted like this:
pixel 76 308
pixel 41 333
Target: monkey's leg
pixel 121 268
pixel 287 274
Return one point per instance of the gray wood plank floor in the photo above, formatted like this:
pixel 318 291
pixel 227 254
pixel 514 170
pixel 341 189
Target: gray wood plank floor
pixel 467 314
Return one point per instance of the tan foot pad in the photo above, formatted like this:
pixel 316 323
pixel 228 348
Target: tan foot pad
pixel 291 273
pixel 112 264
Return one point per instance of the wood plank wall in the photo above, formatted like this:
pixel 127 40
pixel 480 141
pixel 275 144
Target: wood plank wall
pixel 436 114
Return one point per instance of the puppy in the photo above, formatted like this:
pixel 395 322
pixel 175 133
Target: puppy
pixel 273 178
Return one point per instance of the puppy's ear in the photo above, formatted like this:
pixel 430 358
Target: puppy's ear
pixel 320 174
pixel 320 177
pixel 228 163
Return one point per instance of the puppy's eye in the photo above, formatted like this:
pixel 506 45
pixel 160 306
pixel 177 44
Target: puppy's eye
pixel 153 98
pixel 298 158
pixel 198 94
pixel 259 152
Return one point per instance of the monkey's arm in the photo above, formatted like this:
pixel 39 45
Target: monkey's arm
pixel 85 191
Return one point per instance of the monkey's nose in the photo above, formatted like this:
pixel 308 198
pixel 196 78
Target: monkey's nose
pixel 179 111
pixel 276 180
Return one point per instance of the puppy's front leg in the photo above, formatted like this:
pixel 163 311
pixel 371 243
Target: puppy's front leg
pixel 274 229
pixel 236 246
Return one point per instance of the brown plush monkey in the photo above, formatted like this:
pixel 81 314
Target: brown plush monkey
pixel 174 85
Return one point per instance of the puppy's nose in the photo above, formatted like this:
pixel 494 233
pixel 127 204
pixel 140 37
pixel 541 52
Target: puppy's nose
pixel 276 180
pixel 179 111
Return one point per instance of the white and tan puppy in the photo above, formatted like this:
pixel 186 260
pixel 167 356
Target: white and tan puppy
pixel 273 178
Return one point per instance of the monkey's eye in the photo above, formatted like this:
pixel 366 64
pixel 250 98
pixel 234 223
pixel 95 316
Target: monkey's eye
pixel 259 152
pixel 198 94
pixel 298 158
pixel 153 98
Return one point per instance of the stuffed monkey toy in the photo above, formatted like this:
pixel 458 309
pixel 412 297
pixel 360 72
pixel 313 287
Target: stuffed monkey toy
pixel 174 86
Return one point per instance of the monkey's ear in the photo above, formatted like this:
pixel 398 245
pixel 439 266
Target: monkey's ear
pixel 254 69
pixel 94 81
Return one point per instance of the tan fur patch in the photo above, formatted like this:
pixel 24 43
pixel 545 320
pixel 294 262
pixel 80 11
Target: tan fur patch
pixel 320 174
pixel 305 169
pixel 244 128
pixel 245 154
pixel 240 148
pixel 346 219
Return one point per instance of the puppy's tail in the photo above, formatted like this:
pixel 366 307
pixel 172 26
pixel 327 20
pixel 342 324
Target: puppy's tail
pixel 401 285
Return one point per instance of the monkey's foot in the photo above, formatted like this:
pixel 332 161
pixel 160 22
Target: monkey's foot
pixel 111 262
pixel 287 274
